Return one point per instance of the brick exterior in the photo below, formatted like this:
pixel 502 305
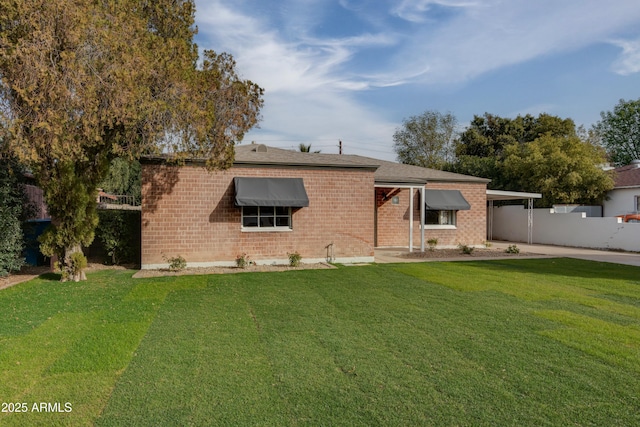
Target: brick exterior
pixel 392 221
pixel 190 212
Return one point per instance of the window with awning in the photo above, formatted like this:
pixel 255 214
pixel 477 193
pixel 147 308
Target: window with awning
pixel 270 192
pixel 267 202
pixel 441 207
pixel 445 200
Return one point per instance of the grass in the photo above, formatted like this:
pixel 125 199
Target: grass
pixel 514 342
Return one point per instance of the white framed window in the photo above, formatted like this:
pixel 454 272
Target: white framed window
pixel 637 203
pixel 440 219
pixel 266 218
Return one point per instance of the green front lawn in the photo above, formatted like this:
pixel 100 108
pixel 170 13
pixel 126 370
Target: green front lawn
pixel 514 342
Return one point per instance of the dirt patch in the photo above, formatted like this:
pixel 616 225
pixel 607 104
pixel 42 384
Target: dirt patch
pixel 28 273
pixel 457 253
pixel 230 270
pixel 24 275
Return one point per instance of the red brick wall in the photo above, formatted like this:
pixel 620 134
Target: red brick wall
pixel 190 212
pixel 393 220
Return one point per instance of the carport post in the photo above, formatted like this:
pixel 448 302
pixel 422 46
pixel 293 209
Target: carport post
pixel 490 221
pixel 422 208
pixel 410 219
pixel 530 223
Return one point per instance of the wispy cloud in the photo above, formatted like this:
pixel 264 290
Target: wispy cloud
pixel 315 71
pixel 302 64
pixel 629 60
pixel 307 89
pixel 503 33
pixel 419 10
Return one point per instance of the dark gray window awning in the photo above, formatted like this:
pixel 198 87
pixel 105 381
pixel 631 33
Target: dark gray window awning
pixel 445 200
pixel 288 192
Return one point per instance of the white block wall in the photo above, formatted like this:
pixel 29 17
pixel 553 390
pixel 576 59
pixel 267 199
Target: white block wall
pixel 572 229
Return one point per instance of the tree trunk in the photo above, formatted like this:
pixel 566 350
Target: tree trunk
pixel 73 264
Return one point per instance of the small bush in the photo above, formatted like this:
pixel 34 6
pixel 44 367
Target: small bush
pixel 177 264
pixel 512 249
pixel 487 244
pixel 294 259
pixel 243 261
pixel 432 244
pixel 465 249
pixel 77 262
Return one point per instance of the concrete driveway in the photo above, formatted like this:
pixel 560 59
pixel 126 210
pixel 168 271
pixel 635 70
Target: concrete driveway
pixel 387 255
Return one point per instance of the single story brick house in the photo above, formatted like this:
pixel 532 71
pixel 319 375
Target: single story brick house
pixel 273 202
pixel 625 196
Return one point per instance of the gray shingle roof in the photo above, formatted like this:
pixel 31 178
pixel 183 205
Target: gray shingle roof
pixel 392 172
pixel 386 172
pixel 258 154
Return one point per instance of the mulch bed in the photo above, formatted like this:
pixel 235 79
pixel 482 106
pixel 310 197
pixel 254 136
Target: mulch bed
pixel 229 270
pixel 457 253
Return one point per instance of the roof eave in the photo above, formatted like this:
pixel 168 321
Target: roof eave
pixel 252 163
pixel 294 165
pixel 469 179
pixel 626 187
pixel 399 184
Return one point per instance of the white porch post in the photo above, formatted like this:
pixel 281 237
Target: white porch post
pixel 530 222
pixel 410 219
pixel 490 221
pixel 422 208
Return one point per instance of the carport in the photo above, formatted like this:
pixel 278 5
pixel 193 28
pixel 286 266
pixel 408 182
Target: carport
pixel 499 195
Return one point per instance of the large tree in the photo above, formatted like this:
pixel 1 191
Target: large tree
pixel 85 81
pixel 620 132
pixel 426 140
pixel 489 134
pixel 562 169
pixel 545 154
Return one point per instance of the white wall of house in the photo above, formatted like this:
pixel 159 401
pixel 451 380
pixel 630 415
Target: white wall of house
pixel 570 229
pixel 621 201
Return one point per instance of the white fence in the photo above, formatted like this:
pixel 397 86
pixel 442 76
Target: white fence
pixel 565 229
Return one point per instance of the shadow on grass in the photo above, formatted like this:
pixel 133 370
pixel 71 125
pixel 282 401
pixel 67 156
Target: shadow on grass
pixel 50 277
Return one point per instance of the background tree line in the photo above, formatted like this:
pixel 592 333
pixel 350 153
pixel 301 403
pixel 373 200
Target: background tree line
pixel 544 154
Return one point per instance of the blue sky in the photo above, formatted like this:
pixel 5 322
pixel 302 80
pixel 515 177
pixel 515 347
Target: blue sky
pixel 352 70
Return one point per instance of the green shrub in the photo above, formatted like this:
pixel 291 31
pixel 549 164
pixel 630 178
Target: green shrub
pixel 432 244
pixel 465 249
pixel 242 261
pixel 512 249
pixel 13 210
pixel 77 263
pixel 74 268
pixel 11 243
pixel 294 259
pixel 177 264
